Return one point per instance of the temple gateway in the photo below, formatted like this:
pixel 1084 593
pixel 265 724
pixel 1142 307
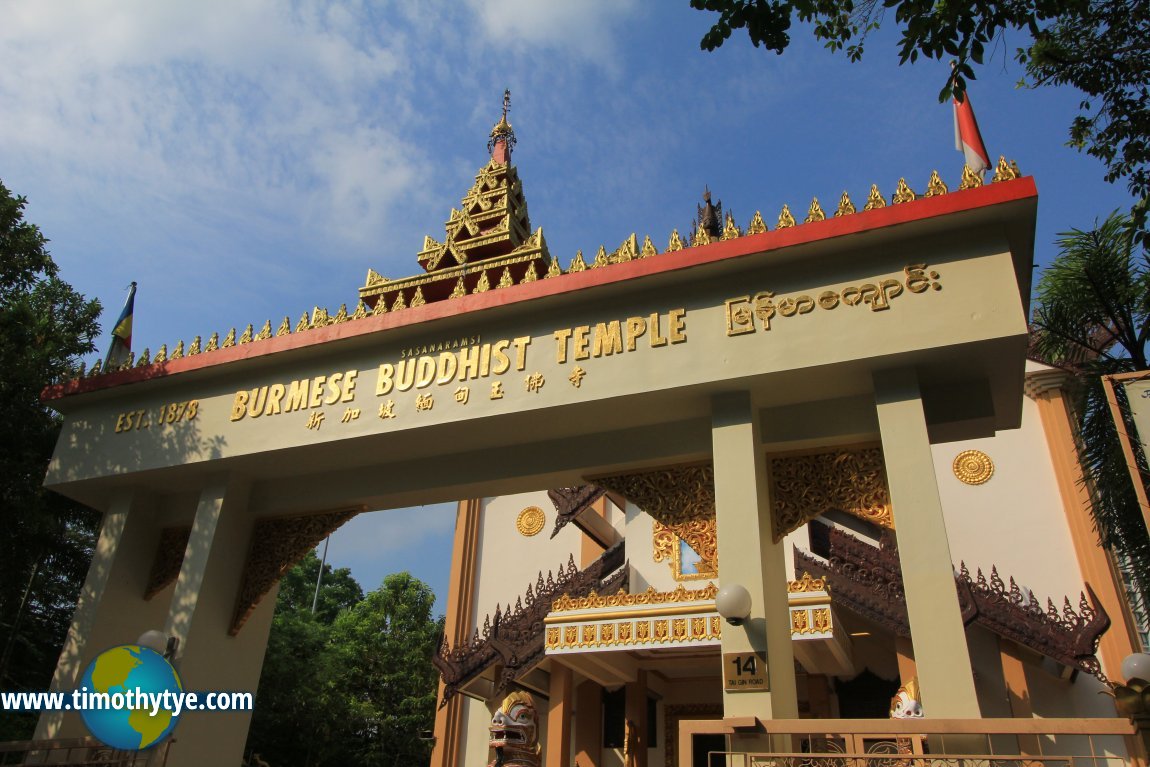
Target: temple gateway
pixel 792 489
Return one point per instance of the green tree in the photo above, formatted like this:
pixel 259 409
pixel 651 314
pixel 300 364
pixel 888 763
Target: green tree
pixel 1100 47
pixel 1092 316
pixel 45 327
pixel 353 683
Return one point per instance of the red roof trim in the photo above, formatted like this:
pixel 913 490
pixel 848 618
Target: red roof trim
pixel 777 239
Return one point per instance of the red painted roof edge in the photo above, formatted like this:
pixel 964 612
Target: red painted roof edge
pixel 775 239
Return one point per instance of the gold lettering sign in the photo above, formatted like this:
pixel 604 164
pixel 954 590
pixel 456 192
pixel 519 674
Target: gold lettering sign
pixel 748 314
pixel 171 413
pixel 604 339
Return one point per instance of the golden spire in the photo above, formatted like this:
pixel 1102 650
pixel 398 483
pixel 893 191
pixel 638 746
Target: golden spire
pixel 502 134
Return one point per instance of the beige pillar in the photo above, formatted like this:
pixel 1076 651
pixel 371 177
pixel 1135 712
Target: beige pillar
pixel 941 654
pixel 635 712
pixel 1017 692
pixel 449 719
pixel 559 706
pixel 751 557
pixel 111 609
pixel 904 652
pixel 200 616
pixel 1045 389
pixel 588 724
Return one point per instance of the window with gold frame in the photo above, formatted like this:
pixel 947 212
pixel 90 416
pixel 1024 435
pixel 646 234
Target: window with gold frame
pixel 689 548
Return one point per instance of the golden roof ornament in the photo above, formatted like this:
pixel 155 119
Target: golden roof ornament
pixel 400 302
pixel 483 285
pixel 648 248
pixel 846 207
pixel 417 299
pixel 505 280
pixel 303 324
pixel 970 179
pixel 265 332
pixel 460 289
pixel 213 342
pixel 730 229
pixel 380 307
pixel 340 316
pixel 675 243
pixel 875 199
pixel 577 263
pixel 785 218
pixel 319 317
pixel 600 258
pixel 530 275
pixel 1006 171
pixel 553 269
pixel 229 339
pixel 161 354
pixel 130 362
pixel 194 349
pixel 246 337
pixel 935 186
pixel 284 328
pixel 95 371
pixel 178 352
pixel 628 250
pixel 144 358
pixel 757 225
pixel 700 237
pixel 815 212
pixel 503 132
pixel 903 193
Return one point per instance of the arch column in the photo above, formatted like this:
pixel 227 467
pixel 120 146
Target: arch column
pixel 942 658
pixel 751 557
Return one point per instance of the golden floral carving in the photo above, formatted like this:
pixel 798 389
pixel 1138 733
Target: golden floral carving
pixel 623 599
pixel 265 332
pixel 970 179
pixel 848 480
pixel 730 229
pixel 821 619
pixel 648 248
pixel 671 496
pixel 284 328
pixel 531 275
pixel 277 543
pixel 903 193
pixel 600 258
pixel 483 285
pixel 1005 171
pixel 799 622
pixel 505 280
pixel 805 584
pixel 815 212
pixel 416 300
pixel 161 354
pixel 675 243
pixel 554 270
pixel 530 521
pixel 577 263
pixel 846 207
pixel 785 218
pixel 935 186
pixel 973 467
pixel 757 225
pixel 400 302
pixel 360 310
pixel 874 199
pixel 700 535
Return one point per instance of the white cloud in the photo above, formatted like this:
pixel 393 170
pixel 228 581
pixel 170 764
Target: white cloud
pixel 585 28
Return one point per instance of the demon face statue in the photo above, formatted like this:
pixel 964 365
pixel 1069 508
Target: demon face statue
pixel 514 733
pixel 906 703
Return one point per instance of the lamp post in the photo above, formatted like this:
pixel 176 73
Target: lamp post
pixel 733 603
pixel 1133 698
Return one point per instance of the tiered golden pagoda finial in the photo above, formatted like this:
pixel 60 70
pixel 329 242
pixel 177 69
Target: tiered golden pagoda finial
pixel 488 239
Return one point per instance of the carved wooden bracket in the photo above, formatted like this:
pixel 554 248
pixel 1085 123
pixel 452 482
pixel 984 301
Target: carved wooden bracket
pixel 277 544
pixel 570 502
pixel 168 560
pixel 848 480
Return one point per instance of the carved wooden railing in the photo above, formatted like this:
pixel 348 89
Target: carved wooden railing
pixel 514 637
pixel 914 743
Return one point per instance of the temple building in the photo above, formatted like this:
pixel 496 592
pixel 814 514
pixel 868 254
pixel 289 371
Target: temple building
pixel 793 490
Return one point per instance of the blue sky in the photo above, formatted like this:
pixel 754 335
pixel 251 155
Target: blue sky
pixel 246 160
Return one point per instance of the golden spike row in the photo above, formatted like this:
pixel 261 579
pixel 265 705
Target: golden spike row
pixel 284 328
pixel 1006 171
pixel 553 269
pixel 935 186
pixel 246 338
pixel 161 354
pixel 483 285
pixel 531 275
pixel 460 289
pixel 341 315
pixel 627 251
pixel 194 349
pixel 785 218
pixel 400 303
pixel 418 299
pixel 229 339
pixel 505 280
pixel 815 212
pixel 700 237
pixel 675 243
pixel 846 207
pixel 360 311
pixel 265 332
pixel 319 317
pixel 213 343
pixel 875 199
pixel 600 258
pixel 757 225
pixel 903 193
pixel 144 358
pixel 380 306
pixel 648 248
pixel 577 263
pixel 730 229
pixel 178 352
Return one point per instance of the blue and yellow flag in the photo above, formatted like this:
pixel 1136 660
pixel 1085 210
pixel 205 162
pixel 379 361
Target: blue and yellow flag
pixel 122 334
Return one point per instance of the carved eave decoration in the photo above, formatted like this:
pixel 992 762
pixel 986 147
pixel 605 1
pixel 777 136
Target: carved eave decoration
pixel 511 643
pixel 849 480
pixel 277 544
pixel 570 502
pixel 700 534
pixel 867 580
pixel 672 496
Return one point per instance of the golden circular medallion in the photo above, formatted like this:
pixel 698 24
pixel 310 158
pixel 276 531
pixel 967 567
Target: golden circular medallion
pixel 530 521
pixel 973 467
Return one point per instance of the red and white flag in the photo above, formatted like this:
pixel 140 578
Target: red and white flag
pixel 967 138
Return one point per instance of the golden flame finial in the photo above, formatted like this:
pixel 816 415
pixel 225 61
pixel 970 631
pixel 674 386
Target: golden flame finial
pixel 502 134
